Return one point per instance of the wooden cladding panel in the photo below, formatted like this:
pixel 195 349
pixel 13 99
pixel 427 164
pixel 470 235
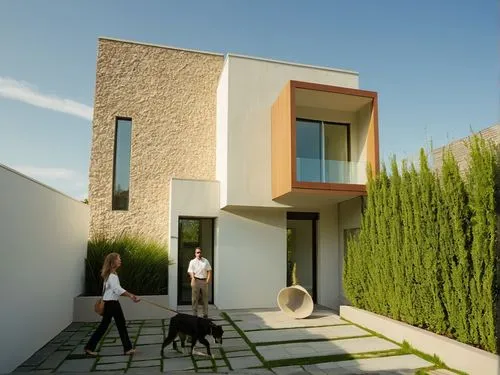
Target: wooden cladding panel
pixel 281 143
pixel 373 139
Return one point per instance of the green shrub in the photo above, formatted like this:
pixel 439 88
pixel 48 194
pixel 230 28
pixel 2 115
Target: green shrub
pixel 144 269
pixel 428 249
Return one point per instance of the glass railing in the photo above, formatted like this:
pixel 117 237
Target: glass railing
pixel 342 172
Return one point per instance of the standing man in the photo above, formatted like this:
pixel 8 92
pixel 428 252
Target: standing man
pixel 200 271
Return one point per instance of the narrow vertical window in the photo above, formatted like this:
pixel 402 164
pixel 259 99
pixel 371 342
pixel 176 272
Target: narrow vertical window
pixel 121 164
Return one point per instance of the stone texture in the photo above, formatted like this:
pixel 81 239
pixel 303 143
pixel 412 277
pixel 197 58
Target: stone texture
pixel 54 360
pixel 177 364
pixel 170 95
pixel 111 366
pixel 148 363
pixel 77 365
pixel 316 333
pixel 245 362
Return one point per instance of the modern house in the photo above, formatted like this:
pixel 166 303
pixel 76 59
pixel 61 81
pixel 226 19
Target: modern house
pixel 262 163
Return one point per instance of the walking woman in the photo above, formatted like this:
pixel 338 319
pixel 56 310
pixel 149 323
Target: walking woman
pixel 112 308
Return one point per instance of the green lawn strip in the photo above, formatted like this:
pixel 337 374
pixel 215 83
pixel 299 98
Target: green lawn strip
pixel 309 340
pixel 287 328
pixel 245 338
pixel 408 349
pixel 334 358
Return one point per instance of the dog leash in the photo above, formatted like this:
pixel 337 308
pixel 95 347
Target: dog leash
pixel 158 305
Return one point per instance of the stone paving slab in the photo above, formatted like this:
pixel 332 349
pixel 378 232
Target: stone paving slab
pixel 315 333
pixel 407 362
pixel 146 363
pixel 53 360
pixel 152 330
pixel 147 352
pixel 150 339
pixel 269 328
pixel 324 348
pixel 178 364
pixel 238 363
pixel 77 365
pixel 241 353
pixel 278 319
pixel 111 366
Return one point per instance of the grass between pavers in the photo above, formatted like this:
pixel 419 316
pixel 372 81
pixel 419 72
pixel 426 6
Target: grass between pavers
pixel 406 348
pixel 289 328
pixel 334 358
pixel 309 340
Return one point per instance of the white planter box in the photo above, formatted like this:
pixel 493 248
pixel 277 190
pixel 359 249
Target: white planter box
pixel 83 309
pixel 454 354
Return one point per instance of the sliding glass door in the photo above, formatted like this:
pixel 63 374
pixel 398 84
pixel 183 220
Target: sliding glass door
pixel 322 151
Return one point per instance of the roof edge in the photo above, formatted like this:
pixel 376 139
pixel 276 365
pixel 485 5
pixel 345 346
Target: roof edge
pixel 294 64
pixel 160 46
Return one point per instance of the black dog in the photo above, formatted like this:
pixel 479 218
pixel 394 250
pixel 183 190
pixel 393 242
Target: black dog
pixel 190 325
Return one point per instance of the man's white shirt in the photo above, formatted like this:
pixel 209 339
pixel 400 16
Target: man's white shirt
pixel 199 267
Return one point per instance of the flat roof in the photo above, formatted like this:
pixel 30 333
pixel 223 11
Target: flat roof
pixel 233 55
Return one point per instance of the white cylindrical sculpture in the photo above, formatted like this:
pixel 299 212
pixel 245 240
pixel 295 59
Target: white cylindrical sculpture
pixel 295 301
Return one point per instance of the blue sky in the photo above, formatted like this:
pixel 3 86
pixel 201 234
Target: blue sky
pixel 435 64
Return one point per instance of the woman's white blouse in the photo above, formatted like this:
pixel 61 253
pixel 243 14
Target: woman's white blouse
pixel 113 289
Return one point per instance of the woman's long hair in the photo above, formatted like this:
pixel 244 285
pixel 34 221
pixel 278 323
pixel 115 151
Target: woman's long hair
pixel 108 265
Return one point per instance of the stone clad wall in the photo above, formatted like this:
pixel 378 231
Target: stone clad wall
pixel 460 149
pixel 170 94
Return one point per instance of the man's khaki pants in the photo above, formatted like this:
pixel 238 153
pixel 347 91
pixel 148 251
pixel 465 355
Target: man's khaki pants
pixel 199 289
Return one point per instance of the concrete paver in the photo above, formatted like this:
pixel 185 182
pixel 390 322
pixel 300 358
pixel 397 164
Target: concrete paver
pixel 324 348
pixel 315 333
pixel 147 363
pixel 77 365
pixel 184 363
pixel 275 336
pixel 245 362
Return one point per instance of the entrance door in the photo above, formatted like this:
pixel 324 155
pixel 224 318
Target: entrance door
pixel 193 233
pixel 302 249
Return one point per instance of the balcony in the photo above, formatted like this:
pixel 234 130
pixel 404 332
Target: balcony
pixel 323 138
pixel 331 171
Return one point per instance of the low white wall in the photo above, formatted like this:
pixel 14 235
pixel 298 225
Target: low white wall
pixel 43 243
pixel 187 198
pixel 83 310
pixel 453 353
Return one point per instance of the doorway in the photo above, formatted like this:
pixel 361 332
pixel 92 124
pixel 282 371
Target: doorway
pixel 302 250
pixel 193 232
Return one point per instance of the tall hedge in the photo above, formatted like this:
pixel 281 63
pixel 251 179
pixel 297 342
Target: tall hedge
pixel 427 251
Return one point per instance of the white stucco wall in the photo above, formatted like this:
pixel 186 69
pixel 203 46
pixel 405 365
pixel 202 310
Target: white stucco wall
pixel 43 244
pixel 250 260
pixel 328 255
pixel 253 86
pixel 349 218
pixel 188 198
pixel 221 133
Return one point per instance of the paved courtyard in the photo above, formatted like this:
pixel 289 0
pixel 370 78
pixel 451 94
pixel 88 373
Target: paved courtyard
pixel 255 342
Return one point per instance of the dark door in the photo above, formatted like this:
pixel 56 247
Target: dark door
pixel 302 249
pixel 193 232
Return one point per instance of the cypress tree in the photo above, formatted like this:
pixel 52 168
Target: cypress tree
pixel 481 190
pixel 454 244
pixel 395 242
pixel 408 312
pixel 432 306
